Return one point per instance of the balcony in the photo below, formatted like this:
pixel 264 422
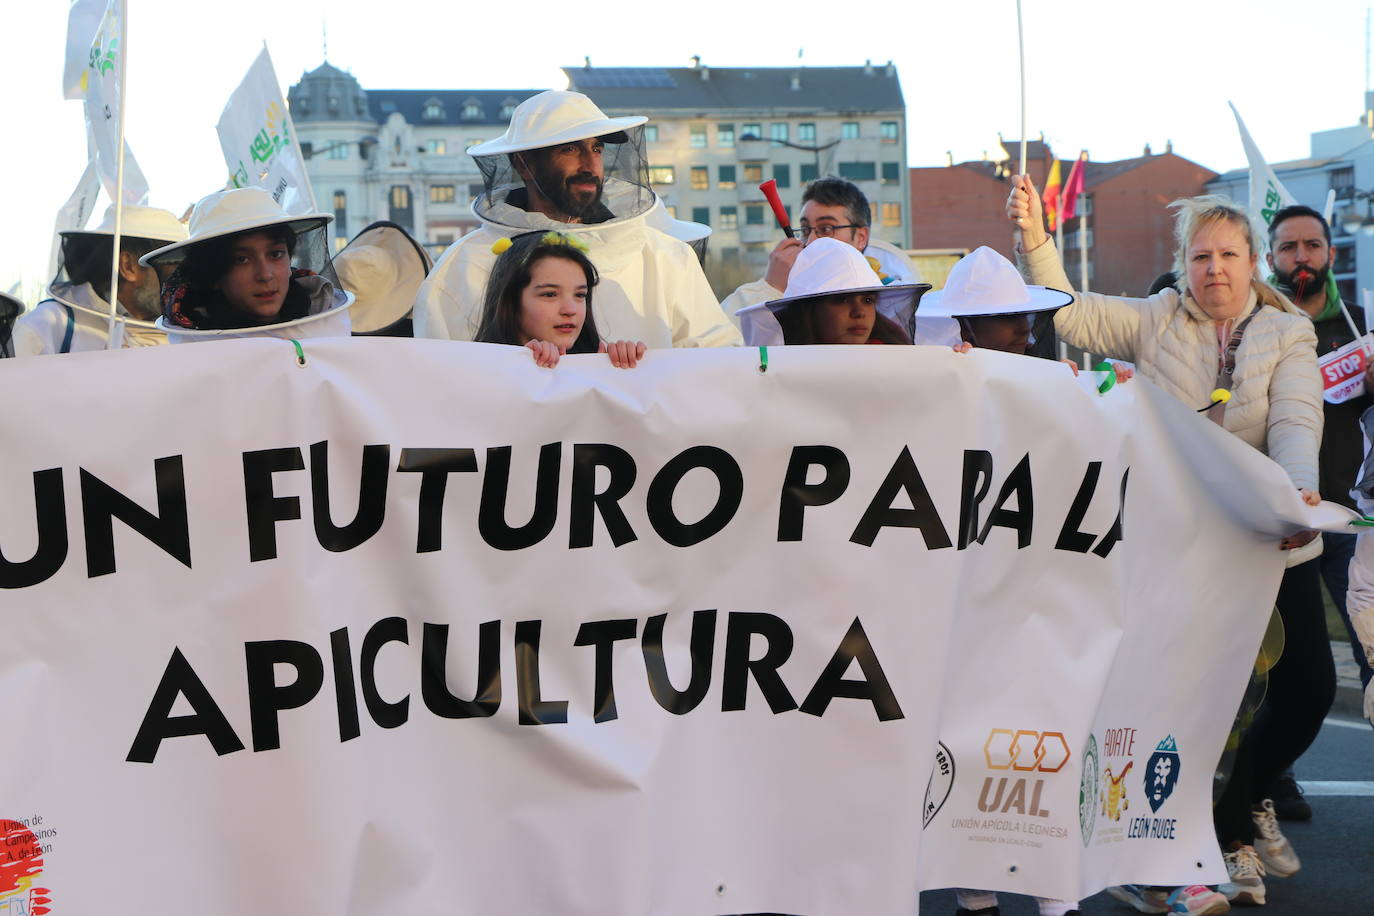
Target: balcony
pixel 755 233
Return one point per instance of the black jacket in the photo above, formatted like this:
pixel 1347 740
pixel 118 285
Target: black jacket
pixel 1342 442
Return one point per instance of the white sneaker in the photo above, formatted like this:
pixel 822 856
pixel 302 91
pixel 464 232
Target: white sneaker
pixel 1278 857
pixel 1246 886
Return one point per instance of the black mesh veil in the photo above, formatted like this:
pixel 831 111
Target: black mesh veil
pixel 626 190
pixel 10 309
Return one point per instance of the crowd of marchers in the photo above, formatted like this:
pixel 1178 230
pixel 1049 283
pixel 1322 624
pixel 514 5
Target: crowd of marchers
pixel 576 254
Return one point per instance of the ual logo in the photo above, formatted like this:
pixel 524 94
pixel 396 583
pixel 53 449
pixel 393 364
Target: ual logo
pixel 1020 751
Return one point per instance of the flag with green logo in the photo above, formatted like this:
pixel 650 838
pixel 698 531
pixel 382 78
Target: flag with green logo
pixel 1267 194
pixel 98 83
pixel 259 140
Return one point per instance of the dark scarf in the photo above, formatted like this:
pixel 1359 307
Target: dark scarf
pixel 208 310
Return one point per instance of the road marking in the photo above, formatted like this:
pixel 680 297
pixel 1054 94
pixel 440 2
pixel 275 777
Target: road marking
pixel 1338 788
pixel 1347 723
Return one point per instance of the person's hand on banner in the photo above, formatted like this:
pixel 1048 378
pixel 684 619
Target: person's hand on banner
pixel 1026 214
pixel 624 354
pixel 780 263
pixel 545 354
pixel 1302 538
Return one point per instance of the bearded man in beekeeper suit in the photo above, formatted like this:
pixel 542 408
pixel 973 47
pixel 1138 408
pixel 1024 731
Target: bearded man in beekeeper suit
pixel 563 164
pixel 76 315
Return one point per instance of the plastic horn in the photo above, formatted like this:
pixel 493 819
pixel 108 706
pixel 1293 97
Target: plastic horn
pixel 770 191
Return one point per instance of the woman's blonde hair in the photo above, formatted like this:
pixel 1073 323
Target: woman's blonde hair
pixel 1198 213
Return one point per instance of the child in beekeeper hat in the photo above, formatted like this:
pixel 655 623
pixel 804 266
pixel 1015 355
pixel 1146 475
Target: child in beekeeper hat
pixel 250 269
pixel 539 295
pixel 833 296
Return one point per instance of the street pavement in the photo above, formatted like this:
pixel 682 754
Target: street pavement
pixel 1336 846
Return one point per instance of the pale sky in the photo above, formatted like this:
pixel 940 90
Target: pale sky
pixel 1108 77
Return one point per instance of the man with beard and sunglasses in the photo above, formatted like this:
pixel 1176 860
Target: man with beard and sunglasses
pixel 1301 258
pixel 563 165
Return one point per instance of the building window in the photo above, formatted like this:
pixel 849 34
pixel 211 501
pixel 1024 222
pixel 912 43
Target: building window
pixel 400 196
pixel 887 132
pixel 809 172
pixel 476 190
pixel 753 214
pixel 650 133
pixel 725 135
pixel 753 172
pixel 751 132
pixel 892 173
pixel 727 177
pixel 849 130
pixel 701 215
pixel 433 111
pixel 701 178
pixel 1085 205
pixel 778 131
pixel 472 110
pixel 507 111
pixel 782 174
pixel 1343 182
pixel 660 174
pixel 340 218
pixel 806 133
pixel 697 138
pixel 437 147
pixel 1345 259
pixel 858 171
pixel 729 218
pixel 338 149
pixel 443 238
pixel 892 214
pixel 672 210
pixel 442 194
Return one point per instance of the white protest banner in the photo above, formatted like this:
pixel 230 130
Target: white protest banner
pixel 100 87
pixel 258 139
pixel 1343 370
pixel 419 626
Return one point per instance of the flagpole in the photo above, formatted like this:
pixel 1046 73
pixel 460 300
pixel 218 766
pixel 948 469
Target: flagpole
pixel 1083 251
pixel 1021 44
pixel 114 327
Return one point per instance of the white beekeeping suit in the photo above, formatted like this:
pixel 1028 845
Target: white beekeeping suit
pixel 1359 600
pixel 75 318
pixel 651 285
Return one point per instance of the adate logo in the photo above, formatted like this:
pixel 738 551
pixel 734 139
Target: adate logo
pixel 21 865
pixel 1113 792
pixel 1087 791
pixel 1023 751
pixel 940 784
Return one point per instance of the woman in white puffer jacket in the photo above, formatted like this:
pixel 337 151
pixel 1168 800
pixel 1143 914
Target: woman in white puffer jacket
pixel 1225 328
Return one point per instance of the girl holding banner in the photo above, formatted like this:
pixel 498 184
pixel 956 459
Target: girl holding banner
pixel 539 296
pixel 1230 344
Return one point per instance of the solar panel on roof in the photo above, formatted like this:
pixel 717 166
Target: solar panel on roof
pixel 626 78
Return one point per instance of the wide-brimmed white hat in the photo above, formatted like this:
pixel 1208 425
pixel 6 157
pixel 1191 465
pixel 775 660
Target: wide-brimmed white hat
pixel 829 267
pixel 137 222
pixel 554 117
pixel 384 268
pixel 983 284
pixel 233 211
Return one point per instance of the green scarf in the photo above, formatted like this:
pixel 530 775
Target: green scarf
pixel 1333 296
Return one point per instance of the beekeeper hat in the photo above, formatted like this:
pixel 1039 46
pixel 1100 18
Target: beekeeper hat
pixel 137 222
pixel 554 117
pixel 983 284
pixel 383 267
pixel 233 211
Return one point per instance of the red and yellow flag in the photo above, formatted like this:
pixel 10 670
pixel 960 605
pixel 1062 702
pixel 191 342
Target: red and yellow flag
pixel 1050 198
pixel 1074 187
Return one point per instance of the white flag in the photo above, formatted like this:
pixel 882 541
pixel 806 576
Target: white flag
pixel 259 142
pixel 82 21
pixel 76 211
pixel 100 87
pixel 1267 193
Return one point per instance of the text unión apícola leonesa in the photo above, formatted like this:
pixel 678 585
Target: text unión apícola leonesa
pixel 278 482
